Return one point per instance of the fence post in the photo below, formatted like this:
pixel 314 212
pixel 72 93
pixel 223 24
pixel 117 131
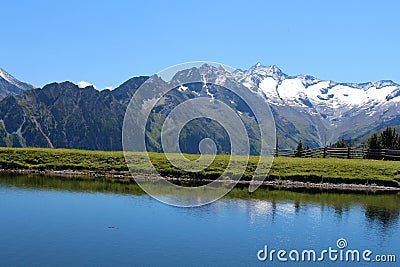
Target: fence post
pixel 349 152
pixel 324 154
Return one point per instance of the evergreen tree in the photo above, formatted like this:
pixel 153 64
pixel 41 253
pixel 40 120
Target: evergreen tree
pixel 373 142
pixel 388 139
pixel 340 144
pixel 299 149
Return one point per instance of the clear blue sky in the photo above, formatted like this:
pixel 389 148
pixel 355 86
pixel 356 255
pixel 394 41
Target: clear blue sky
pixel 107 42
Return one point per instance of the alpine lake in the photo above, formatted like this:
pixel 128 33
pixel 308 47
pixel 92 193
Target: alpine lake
pixel 56 221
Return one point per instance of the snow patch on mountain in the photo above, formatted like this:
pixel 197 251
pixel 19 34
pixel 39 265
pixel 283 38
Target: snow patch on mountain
pixel 84 84
pixel 290 89
pixel 269 87
pixel 182 88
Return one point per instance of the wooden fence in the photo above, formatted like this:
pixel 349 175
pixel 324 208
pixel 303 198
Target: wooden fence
pixel 347 152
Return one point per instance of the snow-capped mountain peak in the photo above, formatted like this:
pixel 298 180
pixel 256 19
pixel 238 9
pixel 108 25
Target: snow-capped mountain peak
pixel 254 75
pixel 272 71
pixel 331 106
pixel 279 88
pixel 6 76
pixel 11 86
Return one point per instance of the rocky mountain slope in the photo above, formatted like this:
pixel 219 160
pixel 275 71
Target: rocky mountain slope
pixel 63 115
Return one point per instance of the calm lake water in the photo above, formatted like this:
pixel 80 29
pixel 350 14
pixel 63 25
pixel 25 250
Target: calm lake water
pixel 48 221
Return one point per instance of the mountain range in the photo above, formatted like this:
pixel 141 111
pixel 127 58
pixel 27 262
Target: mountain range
pixel 322 111
pixel 318 112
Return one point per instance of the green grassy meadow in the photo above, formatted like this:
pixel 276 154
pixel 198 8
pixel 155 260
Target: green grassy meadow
pixel 357 171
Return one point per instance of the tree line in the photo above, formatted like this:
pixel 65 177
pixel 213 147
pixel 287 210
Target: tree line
pixel 387 139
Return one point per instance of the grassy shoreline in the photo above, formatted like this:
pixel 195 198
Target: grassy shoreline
pixel 285 172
